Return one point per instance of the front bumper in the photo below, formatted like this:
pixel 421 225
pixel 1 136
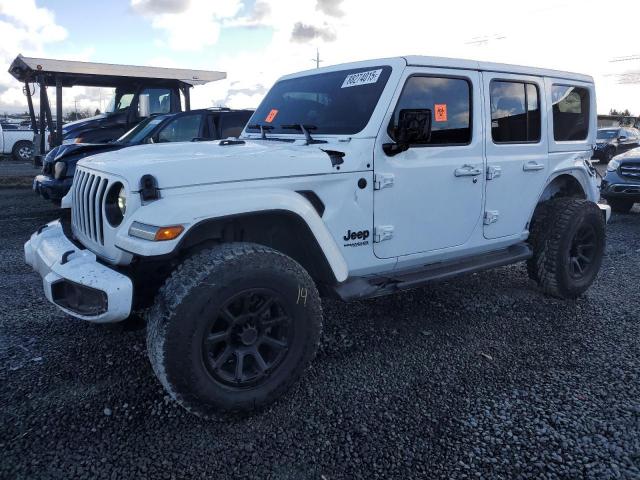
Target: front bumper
pixel 51 189
pixel 74 280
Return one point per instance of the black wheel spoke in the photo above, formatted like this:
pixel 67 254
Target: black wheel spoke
pixel 264 308
pixel 262 365
pixel 584 258
pixel 218 337
pixel 274 321
pixel 576 265
pixel 239 371
pixel 227 315
pixel 273 342
pixel 224 356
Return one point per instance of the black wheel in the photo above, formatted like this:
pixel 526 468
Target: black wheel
pixel 23 151
pixel 233 328
pixel 620 205
pixel 569 256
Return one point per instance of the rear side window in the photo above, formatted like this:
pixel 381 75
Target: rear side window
pixel 182 129
pixel 232 124
pixel 449 100
pixel 515 112
pixel 570 113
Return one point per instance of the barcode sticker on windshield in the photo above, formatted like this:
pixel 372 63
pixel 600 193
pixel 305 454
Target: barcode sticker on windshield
pixel 362 78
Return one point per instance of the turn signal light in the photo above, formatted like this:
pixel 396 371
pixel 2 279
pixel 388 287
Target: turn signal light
pixel 168 233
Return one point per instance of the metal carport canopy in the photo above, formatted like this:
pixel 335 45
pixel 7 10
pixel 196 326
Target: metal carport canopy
pixel 89 74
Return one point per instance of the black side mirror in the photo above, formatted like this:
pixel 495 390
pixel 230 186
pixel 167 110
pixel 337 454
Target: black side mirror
pixel 622 138
pixel 414 128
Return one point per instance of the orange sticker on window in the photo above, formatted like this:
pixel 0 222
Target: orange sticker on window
pixel 441 112
pixel 271 116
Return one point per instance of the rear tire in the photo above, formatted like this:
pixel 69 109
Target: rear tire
pixel 23 151
pixel 233 328
pixel 568 258
pixel 537 230
pixel 619 205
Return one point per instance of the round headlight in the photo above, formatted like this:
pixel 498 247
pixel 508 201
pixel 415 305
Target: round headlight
pixel 59 169
pixel 122 201
pixel 115 204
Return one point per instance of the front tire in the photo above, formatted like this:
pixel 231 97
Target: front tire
pixel 568 258
pixel 233 328
pixel 23 151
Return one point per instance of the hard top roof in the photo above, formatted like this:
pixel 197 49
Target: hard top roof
pixel 453 63
pixel 104 74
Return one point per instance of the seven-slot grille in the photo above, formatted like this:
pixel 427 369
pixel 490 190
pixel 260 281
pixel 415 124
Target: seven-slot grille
pixel 631 170
pixel 88 196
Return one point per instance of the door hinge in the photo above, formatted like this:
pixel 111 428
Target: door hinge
pixel 491 216
pixel 493 171
pixel 382 233
pixel 382 180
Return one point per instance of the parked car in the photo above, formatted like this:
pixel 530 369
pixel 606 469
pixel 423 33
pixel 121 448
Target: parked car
pixel 59 165
pixel 613 141
pixel 125 110
pixel 620 186
pixel 15 142
pixel 351 181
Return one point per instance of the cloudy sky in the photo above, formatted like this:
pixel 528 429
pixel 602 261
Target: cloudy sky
pixel 256 41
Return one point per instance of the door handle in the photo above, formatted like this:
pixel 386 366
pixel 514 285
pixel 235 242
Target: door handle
pixel 467 171
pixel 532 166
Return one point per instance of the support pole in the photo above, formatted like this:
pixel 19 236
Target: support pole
pixel 58 137
pixel 47 110
pixel 187 99
pixel 43 100
pixel 32 113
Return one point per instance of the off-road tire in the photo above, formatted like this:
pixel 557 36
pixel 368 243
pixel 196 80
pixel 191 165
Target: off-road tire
pixel 537 229
pixel 19 151
pixel 620 205
pixel 565 221
pixel 177 325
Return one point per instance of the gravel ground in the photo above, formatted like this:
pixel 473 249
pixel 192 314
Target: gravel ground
pixel 481 377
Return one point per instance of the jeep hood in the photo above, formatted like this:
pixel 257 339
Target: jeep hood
pixel 196 163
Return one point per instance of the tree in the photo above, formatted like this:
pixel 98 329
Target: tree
pixel 97 112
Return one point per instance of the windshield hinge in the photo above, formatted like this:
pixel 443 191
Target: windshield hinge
pixel 382 180
pixel 382 233
pixel 493 171
pixel 491 216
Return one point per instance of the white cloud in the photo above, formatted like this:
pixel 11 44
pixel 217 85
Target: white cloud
pixel 189 26
pixel 24 28
pixel 561 34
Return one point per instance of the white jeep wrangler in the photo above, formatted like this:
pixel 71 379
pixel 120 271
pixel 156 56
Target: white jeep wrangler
pixel 351 181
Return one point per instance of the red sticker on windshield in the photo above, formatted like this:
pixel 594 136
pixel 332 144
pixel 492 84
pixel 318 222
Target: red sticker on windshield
pixel 441 112
pixel 271 116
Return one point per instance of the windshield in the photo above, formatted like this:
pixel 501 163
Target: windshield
pixel 334 103
pixel 140 131
pixel 120 101
pixel 607 134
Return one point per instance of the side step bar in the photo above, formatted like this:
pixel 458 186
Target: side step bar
pixel 366 287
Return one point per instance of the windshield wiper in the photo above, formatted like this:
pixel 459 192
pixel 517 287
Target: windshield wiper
pixel 304 129
pixel 262 128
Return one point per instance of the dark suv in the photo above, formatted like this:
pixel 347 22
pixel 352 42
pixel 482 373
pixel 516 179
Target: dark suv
pixel 620 187
pixel 613 141
pixel 59 165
